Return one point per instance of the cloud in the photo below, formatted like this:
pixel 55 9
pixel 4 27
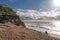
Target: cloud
pixel 27 13
pixel 36 14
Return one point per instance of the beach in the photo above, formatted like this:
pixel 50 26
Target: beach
pixel 50 32
pixel 10 31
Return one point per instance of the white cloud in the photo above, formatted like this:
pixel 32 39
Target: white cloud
pixel 27 13
pixel 36 14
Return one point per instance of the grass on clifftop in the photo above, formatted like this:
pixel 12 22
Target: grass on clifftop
pixel 4 9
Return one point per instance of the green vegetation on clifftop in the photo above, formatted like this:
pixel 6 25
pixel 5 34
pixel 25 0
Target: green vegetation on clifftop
pixel 4 9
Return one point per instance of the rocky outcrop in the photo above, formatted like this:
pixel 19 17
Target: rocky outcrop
pixel 14 20
pixel 8 15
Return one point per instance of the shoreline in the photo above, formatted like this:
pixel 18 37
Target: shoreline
pixel 43 31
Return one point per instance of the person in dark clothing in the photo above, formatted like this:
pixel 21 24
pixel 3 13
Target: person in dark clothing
pixel 46 33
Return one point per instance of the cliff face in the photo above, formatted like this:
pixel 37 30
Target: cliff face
pixel 8 15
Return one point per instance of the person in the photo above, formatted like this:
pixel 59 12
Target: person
pixel 46 33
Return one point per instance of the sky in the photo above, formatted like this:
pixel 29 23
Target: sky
pixel 34 8
pixel 43 5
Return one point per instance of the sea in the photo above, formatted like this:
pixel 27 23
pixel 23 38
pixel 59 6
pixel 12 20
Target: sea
pixel 51 26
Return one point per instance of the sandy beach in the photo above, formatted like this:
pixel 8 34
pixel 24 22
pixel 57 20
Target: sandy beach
pixel 12 32
pixel 50 33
